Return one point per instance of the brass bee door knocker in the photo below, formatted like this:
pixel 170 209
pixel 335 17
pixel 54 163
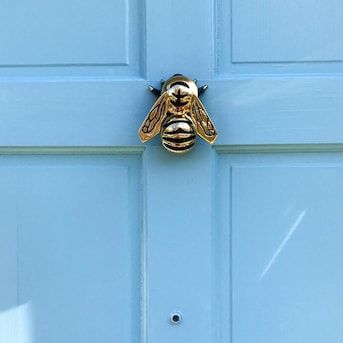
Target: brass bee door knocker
pixel 178 115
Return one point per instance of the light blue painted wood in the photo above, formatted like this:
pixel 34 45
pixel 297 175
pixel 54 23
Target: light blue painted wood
pixel 179 38
pixel 8 245
pixel 261 31
pixel 74 223
pixel 246 110
pixel 78 38
pixel 179 257
pixel 278 36
pixel 103 238
pixel 279 243
pixel 86 113
pixel 74 33
pixel 273 110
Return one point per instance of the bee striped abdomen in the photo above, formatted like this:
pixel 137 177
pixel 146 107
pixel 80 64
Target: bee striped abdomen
pixel 178 135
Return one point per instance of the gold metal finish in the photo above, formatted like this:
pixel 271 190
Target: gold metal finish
pixel 178 115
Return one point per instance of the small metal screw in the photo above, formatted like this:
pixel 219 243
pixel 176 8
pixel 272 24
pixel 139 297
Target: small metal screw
pixel 175 318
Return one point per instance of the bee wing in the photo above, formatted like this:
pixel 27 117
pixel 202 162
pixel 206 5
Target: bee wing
pixel 152 123
pixel 203 124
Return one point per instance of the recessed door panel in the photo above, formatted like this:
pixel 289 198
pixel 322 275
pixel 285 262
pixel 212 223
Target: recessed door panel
pixel 73 223
pixel 281 227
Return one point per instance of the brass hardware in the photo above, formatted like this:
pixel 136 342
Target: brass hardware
pixel 178 115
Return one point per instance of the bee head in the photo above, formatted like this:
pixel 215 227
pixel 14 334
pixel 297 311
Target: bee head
pixel 181 82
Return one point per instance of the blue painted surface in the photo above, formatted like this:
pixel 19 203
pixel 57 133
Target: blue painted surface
pixel 70 248
pixel 278 244
pixel 101 239
pixel 180 264
pixel 279 37
pixel 79 38
pixel 261 31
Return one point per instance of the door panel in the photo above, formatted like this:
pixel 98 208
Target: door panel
pixel 280 245
pixel 103 238
pixel 74 223
pixel 278 37
pixel 71 38
pixel 275 31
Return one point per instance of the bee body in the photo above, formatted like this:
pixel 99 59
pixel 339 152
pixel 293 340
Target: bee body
pixel 178 116
pixel 178 134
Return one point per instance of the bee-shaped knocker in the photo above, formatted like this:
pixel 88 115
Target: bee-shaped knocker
pixel 178 115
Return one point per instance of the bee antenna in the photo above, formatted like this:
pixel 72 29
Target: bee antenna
pixel 155 91
pixel 202 89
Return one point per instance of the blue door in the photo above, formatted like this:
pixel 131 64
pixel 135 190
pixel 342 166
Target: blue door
pixel 104 239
